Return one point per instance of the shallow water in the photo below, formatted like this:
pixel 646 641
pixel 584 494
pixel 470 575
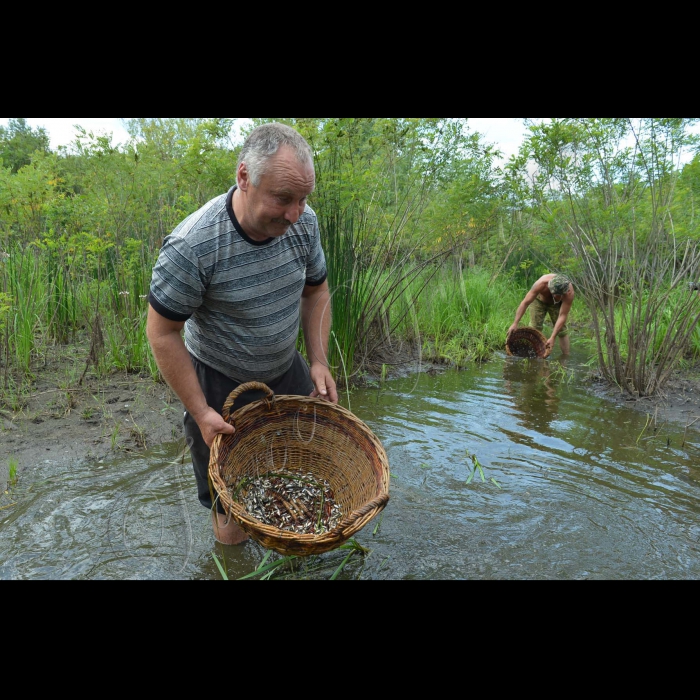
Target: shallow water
pixel 571 487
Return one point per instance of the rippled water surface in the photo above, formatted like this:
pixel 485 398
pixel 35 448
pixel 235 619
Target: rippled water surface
pixel 570 487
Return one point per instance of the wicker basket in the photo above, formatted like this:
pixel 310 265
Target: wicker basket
pixel 527 342
pixel 305 435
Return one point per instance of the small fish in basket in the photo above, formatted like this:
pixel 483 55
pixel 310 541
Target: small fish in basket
pixel 291 501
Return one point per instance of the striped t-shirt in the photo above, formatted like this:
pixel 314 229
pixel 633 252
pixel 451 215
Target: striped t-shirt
pixel 239 298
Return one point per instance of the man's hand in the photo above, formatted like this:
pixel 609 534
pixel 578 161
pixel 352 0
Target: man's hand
pixel 324 385
pixel 549 345
pixel 514 327
pixel 211 424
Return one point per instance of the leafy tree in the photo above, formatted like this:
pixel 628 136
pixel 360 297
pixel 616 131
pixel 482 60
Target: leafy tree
pixel 606 189
pixel 375 177
pixel 19 142
pixel 686 206
pixel 25 199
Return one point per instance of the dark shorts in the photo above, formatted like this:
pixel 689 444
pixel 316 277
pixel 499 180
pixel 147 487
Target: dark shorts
pixel 539 310
pixel 217 387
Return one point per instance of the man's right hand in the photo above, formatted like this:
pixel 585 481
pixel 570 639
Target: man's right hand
pixel 211 424
pixel 514 327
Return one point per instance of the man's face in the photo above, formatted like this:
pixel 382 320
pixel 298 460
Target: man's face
pixel 279 199
pixel 558 297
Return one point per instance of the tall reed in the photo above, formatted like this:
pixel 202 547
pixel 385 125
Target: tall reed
pixel 27 290
pixel 62 281
pixel 57 288
pixel 463 316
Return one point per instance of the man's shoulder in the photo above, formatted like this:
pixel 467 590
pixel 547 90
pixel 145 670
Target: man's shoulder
pixel 307 223
pixel 209 214
pixel 215 207
pixel 308 215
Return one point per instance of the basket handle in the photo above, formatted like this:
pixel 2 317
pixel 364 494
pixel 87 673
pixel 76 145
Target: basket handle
pixel 240 389
pixel 349 520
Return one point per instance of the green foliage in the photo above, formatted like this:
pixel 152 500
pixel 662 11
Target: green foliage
pixel 26 199
pixel 468 205
pixel 19 143
pixel 463 316
pixel 430 242
pixel 476 465
pixel 12 470
pixel 373 180
pixel 685 208
pixel 605 192
pixel 294 567
pixel 665 323
pixel 5 306
pixel 24 283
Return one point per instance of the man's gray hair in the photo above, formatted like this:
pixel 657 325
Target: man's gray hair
pixel 264 141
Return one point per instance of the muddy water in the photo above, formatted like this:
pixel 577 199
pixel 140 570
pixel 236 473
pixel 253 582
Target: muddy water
pixel 570 487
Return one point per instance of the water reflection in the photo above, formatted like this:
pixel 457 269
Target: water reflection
pixel 535 385
pixel 573 487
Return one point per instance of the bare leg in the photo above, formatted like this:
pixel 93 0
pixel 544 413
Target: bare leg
pixel 564 344
pixel 229 533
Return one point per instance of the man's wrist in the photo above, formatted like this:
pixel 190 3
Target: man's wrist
pixel 199 411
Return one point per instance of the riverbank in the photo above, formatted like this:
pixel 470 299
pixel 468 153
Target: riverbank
pixel 65 417
pixel 677 405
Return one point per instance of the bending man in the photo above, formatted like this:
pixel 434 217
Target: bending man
pixel 552 295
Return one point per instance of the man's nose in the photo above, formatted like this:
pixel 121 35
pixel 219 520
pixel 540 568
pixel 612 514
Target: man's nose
pixel 294 212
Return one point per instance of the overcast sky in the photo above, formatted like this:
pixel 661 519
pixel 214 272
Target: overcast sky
pixel 506 133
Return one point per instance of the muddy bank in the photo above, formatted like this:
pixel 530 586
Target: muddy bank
pixel 677 405
pixel 52 425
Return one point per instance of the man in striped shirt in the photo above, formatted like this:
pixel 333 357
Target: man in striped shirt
pixel 239 275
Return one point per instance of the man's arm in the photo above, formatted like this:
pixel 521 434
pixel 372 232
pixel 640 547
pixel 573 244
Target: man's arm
pixel 316 325
pixel 173 360
pixel 522 308
pixel 566 303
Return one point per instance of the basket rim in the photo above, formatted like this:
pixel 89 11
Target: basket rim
pixel 527 331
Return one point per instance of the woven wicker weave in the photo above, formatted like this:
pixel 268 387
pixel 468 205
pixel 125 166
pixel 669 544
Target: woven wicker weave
pixel 305 435
pixel 527 342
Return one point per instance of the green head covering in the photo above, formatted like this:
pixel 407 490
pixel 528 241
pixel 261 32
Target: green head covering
pixel 559 284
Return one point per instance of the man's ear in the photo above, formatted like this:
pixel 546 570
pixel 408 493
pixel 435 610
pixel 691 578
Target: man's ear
pixel 242 178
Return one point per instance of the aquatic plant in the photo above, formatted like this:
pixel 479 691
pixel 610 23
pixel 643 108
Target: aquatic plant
pixel 12 465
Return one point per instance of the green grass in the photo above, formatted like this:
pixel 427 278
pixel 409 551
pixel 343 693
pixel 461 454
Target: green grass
pixel 461 318
pixel 660 329
pixel 13 465
pixel 56 292
pixel 476 465
pixel 295 567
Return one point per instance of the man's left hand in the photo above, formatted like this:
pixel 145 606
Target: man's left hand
pixel 324 385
